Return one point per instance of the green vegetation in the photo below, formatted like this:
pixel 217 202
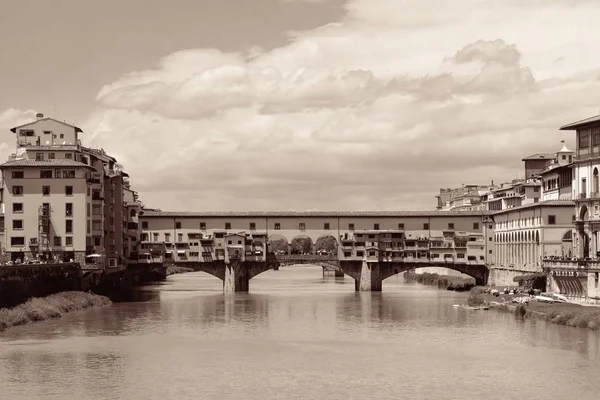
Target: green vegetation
pixel 172 270
pixel 53 306
pixel 476 297
pixel 448 282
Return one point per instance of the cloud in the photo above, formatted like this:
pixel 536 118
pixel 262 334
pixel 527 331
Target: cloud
pixel 377 110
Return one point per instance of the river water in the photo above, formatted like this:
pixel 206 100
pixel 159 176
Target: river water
pixel 297 335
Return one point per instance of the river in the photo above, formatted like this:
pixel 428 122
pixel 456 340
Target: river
pixel 297 335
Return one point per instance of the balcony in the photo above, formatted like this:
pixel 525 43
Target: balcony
pixel 132 225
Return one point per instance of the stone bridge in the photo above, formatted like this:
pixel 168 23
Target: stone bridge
pixel 367 275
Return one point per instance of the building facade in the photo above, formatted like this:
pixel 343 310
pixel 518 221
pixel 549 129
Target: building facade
pixel 419 237
pixel 61 200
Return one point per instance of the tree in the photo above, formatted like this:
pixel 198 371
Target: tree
pixel 278 244
pixel 327 243
pixel 301 245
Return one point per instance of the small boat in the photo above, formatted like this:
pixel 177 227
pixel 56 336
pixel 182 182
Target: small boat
pixel 544 299
pixel 475 308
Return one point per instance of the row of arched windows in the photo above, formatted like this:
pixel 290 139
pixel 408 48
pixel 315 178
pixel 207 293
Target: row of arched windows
pixel 518 236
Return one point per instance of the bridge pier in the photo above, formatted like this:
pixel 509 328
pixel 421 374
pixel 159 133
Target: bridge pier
pixel 330 271
pixel 370 279
pixel 237 277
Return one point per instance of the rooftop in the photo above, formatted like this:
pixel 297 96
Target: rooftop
pixel 53 147
pixel 77 129
pixel 331 214
pixel 46 163
pixel 555 168
pixel 580 124
pixel 540 156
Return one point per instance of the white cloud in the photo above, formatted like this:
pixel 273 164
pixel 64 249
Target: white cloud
pixel 377 110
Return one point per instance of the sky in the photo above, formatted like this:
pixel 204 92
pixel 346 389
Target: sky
pixel 219 105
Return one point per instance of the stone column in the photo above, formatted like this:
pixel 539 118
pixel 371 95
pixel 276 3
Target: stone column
pixel 236 277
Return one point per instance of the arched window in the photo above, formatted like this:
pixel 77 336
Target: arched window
pixel 132 213
pixel 595 183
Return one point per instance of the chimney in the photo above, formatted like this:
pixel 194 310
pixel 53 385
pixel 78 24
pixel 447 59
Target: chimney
pixel 39 116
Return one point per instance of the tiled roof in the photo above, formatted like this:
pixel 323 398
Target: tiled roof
pixel 540 156
pixel 77 129
pixel 282 214
pixel 47 163
pixel 555 168
pixel 547 203
pixel 578 124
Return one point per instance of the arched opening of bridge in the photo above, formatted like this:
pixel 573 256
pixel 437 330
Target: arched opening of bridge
pixel 302 245
pixel 278 244
pixel 326 245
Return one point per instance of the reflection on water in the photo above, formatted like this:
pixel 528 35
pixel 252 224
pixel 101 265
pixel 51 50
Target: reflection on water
pixel 295 336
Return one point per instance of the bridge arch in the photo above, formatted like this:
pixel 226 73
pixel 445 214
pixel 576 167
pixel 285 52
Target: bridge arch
pixel 476 271
pixel 278 244
pixel 326 245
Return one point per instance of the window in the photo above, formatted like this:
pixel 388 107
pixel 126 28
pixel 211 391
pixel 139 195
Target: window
pixel 68 156
pixel 573 218
pixel 97 240
pixel 47 132
pixel 88 210
pixel 376 227
pixel 69 190
pixel 476 226
pixel 144 224
pixel 180 237
pixel 203 225
pixel 177 225
pixel 551 219
pixel 88 226
pixel 57 241
pixel 51 156
pixel 155 236
pixel 350 227
pixel 69 226
pixel 69 209
pixel 401 226
pixel 229 242
pixel 277 226
pixel 18 174
pixel 68 240
pixel 62 135
pixel 490 251
pixel 584 138
pixel 57 173
pixel 46 174
pixel 17 224
pixel 326 226
pixel 26 132
pixel 490 239
pixel 426 226
pixel 45 190
pixel 16 241
pixel 227 225
pixel 302 226
pixel 39 156
pixel 252 226
pixel 451 225
pixel 17 190
pixel 68 173
pixel 490 227
pixel 595 137
pixel 167 237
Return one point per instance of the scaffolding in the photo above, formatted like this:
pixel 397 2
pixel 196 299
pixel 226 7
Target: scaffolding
pixel 44 212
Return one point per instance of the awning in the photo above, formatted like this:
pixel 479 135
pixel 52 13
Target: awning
pixel 180 251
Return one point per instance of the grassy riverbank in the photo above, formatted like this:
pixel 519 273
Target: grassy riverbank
pixel 53 306
pixel 172 270
pixel 566 314
pixel 448 282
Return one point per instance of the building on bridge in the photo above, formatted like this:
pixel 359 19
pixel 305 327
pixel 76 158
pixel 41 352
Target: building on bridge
pixel 454 239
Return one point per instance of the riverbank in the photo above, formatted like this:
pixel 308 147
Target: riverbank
pixel 172 270
pixel 447 282
pixel 566 314
pixel 49 307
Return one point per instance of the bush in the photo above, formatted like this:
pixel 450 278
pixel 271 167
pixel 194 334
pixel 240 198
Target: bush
pixel 520 311
pixel 53 306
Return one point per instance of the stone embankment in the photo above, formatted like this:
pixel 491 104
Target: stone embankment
pixel 50 307
pixel 445 282
pixel 566 314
